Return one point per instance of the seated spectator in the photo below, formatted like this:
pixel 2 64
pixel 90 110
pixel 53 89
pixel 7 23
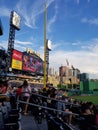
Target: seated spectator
pixel 87 108
pixel 67 116
pixel 87 112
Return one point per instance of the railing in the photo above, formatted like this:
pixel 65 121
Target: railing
pixel 44 107
pixel 67 103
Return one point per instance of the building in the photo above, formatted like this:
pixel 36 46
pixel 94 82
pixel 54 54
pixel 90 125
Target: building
pixel 57 73
pixel 51 71
pixel 69 76
pixel 89 86
pixel 63 71
pixel 54 80
pixel 53 77
pixel 70 72
pixel 76 72
pixel 84 76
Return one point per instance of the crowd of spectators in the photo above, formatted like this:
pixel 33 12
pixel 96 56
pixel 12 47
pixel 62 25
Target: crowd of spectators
pixel 50 97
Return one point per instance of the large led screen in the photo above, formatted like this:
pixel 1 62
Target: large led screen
pixel 32 64
pixel 17 60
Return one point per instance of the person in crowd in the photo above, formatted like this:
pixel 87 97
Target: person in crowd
pixel 91 107
pixel 3 90
pixel 26 90
pixel 19 91
pixel 4 87
pixel 67 116
pixel 12 95
pixel 0 88
pixel 35 99
pixel 87 108
pixel 87 112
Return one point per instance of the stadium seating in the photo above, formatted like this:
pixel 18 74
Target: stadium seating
pixel 9 118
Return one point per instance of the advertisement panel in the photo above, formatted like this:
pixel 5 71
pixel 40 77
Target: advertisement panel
pixel 32 64
pixel 17 60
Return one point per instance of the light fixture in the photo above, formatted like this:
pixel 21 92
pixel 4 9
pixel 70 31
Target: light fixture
pixel 15 20
pixel 49 43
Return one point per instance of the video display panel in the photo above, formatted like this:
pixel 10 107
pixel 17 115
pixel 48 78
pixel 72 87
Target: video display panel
pixel 32 64
pixel 17 60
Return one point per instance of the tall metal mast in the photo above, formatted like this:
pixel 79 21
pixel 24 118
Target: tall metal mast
pixel 10 43
pixel 45 40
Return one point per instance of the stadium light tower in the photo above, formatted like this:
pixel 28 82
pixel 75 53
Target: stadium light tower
pixel 14 25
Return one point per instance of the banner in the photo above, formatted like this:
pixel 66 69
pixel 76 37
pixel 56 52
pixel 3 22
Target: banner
pixel 17 60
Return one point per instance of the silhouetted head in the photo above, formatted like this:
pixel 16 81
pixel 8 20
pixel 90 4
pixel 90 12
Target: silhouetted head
pixel 25 83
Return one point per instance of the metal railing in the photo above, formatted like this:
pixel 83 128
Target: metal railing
pixel 67 103
pixel 44 107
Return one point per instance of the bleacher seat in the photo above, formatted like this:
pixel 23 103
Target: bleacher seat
pixel 9 118
pixel 54 123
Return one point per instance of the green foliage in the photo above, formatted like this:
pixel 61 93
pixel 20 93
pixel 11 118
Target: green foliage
pixel 61 86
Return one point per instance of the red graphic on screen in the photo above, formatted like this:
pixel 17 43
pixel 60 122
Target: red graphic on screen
pixel 17 55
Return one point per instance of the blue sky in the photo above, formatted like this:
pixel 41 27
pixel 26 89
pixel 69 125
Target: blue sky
pixel 72 26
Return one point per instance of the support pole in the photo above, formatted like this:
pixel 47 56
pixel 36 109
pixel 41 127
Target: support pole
pixel 45 17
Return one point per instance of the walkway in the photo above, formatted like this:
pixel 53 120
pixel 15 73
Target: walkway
pixel 28 123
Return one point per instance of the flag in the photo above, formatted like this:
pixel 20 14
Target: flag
pixel 67 62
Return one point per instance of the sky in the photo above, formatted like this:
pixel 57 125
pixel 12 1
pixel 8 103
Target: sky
pixel 72 27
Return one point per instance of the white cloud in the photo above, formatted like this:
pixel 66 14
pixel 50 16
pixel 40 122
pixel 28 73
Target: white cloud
pixel 57 45
pixel 22 45
pixel 76 43
pixel 86 60
pixel 91 45
pixel 52 20
pixel 82 60
pixel 19 45
pixel 78 1
pixel 31 14
pixel 4 44
pixel 22 42
pixel 90 21
pixel 88 1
